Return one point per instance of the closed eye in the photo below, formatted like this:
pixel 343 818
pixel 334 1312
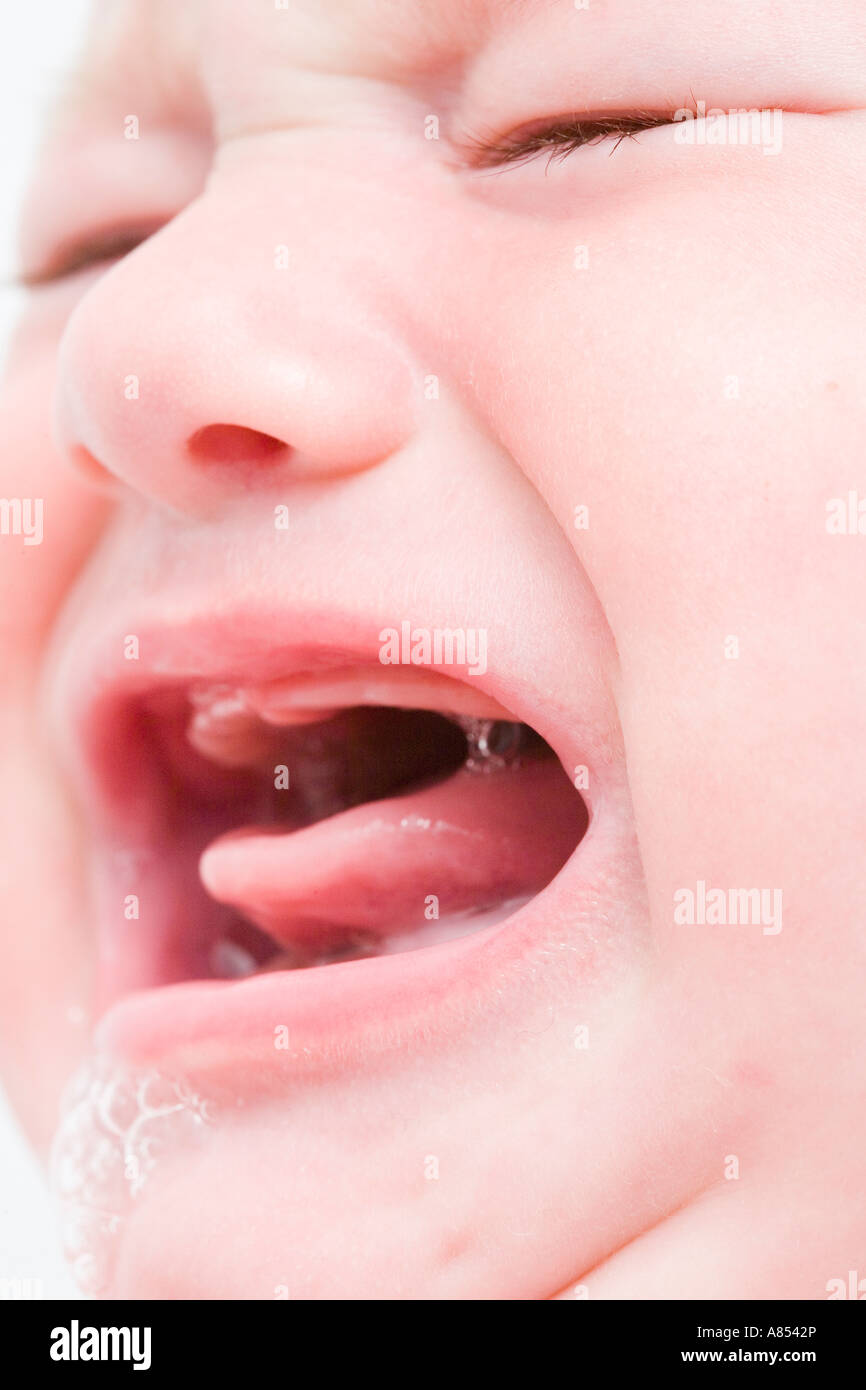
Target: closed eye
pixel 560 138
pixel 88 252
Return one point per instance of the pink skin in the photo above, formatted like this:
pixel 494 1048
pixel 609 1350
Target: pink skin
pixel 699 386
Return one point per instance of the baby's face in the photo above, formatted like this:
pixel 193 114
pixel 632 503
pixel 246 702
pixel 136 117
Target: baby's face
pixel 388 409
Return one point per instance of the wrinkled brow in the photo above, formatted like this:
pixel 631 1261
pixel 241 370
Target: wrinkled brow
pixel 156 45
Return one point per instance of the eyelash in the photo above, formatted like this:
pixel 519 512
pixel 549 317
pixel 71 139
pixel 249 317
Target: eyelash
pixel 562 138
pixel 92 250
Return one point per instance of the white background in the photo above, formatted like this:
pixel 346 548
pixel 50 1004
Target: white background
pixel 38 46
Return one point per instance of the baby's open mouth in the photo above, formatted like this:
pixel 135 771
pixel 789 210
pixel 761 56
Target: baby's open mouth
pixel 285 831
pixel 328 835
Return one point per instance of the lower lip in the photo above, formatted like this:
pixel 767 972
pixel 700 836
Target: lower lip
pixel 250 1034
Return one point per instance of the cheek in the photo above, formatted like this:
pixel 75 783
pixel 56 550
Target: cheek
pixel 687 396
pixel 686 364
pixel 670 323
pixel 44 984
pixel 61 518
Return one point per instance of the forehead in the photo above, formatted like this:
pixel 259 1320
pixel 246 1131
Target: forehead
pixel 187 59
pixel 381 37
pixel 253 64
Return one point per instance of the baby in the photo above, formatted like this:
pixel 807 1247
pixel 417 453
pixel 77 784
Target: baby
pixel 433 551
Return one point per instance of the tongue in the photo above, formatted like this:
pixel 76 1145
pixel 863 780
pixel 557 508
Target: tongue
pixel 386 868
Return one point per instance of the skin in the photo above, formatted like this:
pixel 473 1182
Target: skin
pixel 699 386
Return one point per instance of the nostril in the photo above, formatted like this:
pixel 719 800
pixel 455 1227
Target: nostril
pixel 235 444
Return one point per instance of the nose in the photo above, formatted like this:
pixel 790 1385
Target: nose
pixel 211 363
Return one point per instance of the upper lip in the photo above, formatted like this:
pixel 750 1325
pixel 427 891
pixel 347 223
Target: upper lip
pixel 214 603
